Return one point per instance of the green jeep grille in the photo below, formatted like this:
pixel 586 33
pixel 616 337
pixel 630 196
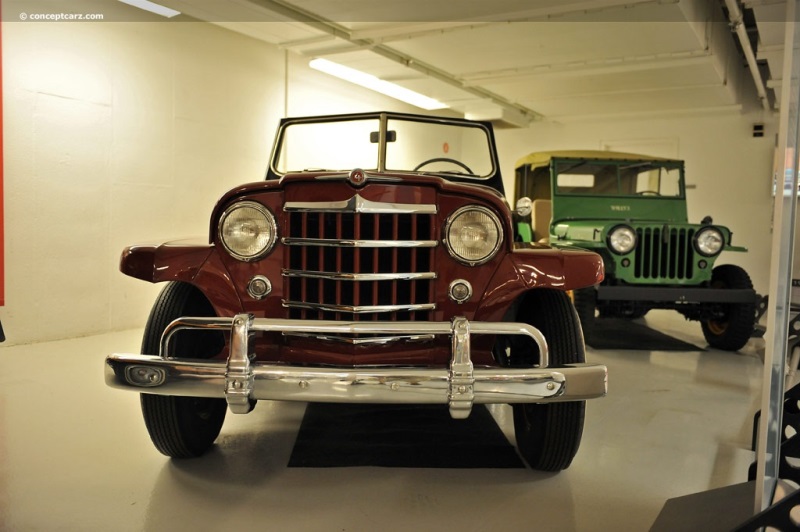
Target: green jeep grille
pixel 664 253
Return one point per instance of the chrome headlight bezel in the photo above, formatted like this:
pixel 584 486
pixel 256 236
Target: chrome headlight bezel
pixel 614 244
pixel 497 229
pixel 262 250
pixel 701 245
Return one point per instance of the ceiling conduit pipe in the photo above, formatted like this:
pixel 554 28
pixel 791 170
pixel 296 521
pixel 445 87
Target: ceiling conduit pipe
pixel 737 24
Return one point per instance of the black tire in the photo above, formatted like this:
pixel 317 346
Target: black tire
pixel 731 332
pixel 585 304
pixel 548 435
pixel 182 427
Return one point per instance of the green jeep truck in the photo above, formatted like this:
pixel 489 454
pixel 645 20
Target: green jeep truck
pixel 631 209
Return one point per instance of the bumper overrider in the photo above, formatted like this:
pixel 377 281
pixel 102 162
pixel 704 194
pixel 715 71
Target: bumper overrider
pixel 241 379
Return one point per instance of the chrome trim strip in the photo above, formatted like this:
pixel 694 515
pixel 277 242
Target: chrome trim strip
pixel 359 309
pixel 336 276
pixel 357 204
pixel 349 243
pixel 382 340
pixel 202 378
pixel 367 177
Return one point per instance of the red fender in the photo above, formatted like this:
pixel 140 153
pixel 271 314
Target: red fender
pixel 188 261
pixel 538 267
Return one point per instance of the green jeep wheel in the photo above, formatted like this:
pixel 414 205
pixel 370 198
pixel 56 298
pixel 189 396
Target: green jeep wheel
pixel 733 330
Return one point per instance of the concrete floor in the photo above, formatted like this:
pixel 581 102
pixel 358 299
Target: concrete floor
pixel 74 454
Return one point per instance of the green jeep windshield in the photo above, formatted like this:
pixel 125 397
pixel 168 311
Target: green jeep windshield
pixel 618 178
pixel 437 146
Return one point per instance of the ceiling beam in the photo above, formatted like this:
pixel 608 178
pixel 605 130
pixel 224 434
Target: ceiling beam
pixel 337 30
pixel 600 66
pixel 656 113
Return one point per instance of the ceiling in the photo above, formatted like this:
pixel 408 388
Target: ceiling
pixel 515 61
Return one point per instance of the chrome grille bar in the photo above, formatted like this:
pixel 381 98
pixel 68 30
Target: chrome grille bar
pixel 342 243
pixel 359 309
pixel 368 340
pixel 338 276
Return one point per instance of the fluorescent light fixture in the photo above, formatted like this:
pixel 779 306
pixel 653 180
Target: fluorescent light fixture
pixel 369 81
pixel 147 5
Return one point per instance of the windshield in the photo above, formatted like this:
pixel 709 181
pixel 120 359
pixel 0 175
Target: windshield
pixel 412 144
pixel 619 178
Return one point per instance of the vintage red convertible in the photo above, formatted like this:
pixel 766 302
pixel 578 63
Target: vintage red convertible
pixel 376 263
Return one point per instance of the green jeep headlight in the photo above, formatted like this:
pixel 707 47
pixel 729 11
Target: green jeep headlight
pixel 709 241
pixel 622 239
pixel 473 234
pixel 247 230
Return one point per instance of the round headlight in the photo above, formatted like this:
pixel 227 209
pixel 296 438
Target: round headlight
pixel 622 239
pixel 709 241
pixel 473 235
pixel 247 230
pixel 524 206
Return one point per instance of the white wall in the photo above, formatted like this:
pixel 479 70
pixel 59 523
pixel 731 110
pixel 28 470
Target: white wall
pixel 127 133
pixel 118 134
pixel 730 170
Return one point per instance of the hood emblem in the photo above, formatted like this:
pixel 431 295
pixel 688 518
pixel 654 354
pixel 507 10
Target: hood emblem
pixel 357 177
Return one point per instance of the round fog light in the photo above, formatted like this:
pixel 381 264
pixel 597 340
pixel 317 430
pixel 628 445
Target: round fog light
pixel 702 264
pixel 145 376
pixel 626 262
pixel 259 287
pixel 460 290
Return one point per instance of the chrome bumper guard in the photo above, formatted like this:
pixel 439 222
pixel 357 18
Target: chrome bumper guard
pixel 241 379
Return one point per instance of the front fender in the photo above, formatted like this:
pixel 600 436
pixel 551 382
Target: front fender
pixel 538 266
pixel 179 260
pixel 546 267
pixel 188 261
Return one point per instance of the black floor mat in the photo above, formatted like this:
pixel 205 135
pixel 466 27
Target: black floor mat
pixel 616 333
pixel 346 435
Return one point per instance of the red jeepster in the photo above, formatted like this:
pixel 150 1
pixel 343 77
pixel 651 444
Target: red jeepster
pixel 376 264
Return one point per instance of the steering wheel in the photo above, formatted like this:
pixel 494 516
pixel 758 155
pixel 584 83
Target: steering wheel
pixel 648 193
pixel 445 160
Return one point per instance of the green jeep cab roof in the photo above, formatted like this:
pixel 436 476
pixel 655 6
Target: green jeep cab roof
pixel 543 158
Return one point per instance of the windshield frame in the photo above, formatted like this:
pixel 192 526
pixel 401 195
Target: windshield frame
pixel 492 179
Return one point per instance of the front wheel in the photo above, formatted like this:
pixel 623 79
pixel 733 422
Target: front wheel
pixel 733 329
pixel 548 435
pixel 182 427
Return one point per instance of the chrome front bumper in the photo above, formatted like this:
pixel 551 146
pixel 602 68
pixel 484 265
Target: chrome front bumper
pixel 241 379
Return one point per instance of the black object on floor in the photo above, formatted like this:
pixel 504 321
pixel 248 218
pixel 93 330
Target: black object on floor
pixel 717 510
pixel 618 333
pixel 348 435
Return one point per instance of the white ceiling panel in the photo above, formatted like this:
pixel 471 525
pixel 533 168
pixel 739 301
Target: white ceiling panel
pixel 539 59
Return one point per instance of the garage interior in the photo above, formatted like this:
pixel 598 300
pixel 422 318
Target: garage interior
pixel 129 129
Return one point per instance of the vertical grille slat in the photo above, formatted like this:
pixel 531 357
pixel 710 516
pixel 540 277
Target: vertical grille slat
pixel 345 264
pixel 664 253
